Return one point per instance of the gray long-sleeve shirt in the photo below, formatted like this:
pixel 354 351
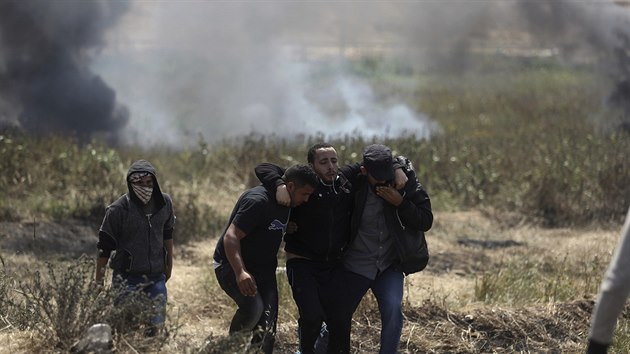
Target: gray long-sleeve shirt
pixel 614 290
pixel 373 250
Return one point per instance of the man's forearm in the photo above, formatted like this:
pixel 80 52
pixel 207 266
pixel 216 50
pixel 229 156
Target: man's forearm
pixel 169 257
pixel 233 252
pixel 269 175
pixel 99 274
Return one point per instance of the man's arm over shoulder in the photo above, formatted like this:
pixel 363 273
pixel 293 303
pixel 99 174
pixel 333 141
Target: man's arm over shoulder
pixel 401 161
pixel 351 171
pixel 269 175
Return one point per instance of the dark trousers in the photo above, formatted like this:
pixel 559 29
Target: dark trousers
pixel 310 285
pixel 154 286
pixel 259 313
pixel 387 287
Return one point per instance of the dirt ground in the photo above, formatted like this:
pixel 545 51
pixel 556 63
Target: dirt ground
pixel 442 314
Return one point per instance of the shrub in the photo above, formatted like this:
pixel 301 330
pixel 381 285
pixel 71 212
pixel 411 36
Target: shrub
pixel 524 281
pixel 525 139
pixel 62 303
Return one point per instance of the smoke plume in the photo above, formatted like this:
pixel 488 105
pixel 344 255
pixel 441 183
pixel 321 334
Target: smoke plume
pixel 225 69
pixel 45 76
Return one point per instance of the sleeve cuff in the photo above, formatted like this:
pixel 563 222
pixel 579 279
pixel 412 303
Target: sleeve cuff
pixel 168 234
pixel 104 253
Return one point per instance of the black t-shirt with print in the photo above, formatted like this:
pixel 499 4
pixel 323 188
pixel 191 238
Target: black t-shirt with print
pixel 264 222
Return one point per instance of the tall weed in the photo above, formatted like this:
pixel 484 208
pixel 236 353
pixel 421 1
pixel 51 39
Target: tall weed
pixel 524 281
pixel 524 140
pixel 60 304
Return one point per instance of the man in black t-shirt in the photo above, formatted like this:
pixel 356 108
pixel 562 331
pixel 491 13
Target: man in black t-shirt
pixel 245 258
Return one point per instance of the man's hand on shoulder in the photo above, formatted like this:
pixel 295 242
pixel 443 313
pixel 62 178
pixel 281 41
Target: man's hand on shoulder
pixel 282 195
pixel 400 178
pixel 291 227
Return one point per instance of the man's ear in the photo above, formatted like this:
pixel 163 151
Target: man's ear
pixel 290 186
pixel 363 170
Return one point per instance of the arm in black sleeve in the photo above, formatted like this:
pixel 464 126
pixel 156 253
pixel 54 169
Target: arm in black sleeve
pixel 415 210
pixel 105 245
pixel 270 175
pixel 403 162
pixel 168 234
pixel 169 225
pixel 109 231
pixel 351 172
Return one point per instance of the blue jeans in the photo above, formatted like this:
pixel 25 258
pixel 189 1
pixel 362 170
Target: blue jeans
pixel 259 313
pixel 387 287
pixel 154 286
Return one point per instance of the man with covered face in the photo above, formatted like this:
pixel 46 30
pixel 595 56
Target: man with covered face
pixel 137 234
pixel 386 232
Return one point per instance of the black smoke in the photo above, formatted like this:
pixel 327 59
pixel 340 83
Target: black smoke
pixel 599 30
pixel 45 76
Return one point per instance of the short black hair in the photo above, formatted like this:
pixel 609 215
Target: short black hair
pixel 310 156
pixel 300 175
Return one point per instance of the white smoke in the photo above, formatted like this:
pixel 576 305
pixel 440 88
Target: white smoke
pixel 224 69
pixel 221 70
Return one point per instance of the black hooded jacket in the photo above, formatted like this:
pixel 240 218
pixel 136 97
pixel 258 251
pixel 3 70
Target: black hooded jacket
pixel 323 221
pixel 406 223
pixel 137 238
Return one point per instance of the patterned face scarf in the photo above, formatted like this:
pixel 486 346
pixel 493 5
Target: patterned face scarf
pixel 143 193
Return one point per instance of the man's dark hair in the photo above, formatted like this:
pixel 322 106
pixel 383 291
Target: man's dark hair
pixel 310 156
pixel 300 175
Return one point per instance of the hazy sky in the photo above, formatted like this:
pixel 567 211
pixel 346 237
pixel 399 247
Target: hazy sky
pixel 176 69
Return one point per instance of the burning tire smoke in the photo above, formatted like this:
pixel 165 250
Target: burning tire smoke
pixel 224 69
pixel 45 79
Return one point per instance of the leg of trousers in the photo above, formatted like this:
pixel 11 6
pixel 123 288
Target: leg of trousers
pixel 351 288
pixel 265 331
pixel 258 313
pixel 154 287
pixel 388 290
pixel 308 279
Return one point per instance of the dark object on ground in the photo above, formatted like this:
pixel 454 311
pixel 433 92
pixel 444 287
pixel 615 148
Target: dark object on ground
pixel 489 244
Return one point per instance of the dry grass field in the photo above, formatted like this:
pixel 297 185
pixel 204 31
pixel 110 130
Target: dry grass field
pixel 493 285
pixel 528 178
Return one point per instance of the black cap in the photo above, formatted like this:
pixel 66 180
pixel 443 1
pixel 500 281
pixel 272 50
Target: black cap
pixel 377 159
